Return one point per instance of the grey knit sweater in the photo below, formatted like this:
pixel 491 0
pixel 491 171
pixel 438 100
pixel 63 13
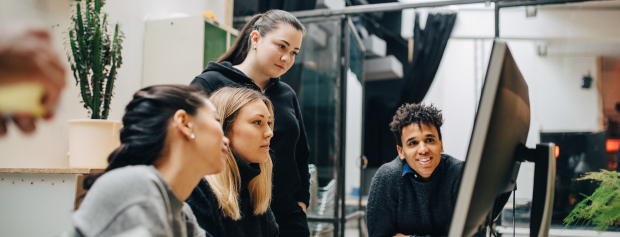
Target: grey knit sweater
pixel 133 201
pixel 400 204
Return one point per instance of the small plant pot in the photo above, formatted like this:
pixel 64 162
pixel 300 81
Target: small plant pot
pixel 91 141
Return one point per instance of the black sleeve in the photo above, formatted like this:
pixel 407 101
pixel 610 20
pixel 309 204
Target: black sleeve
pixel 203 83
pixel 271 222
pixel 205 208
pixel 193 228
pixel 382 204
pixel 302 152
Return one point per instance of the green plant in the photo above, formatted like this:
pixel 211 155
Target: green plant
pixel 93 56
pixel 602 208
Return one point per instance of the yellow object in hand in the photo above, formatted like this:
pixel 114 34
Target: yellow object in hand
pixel 22 98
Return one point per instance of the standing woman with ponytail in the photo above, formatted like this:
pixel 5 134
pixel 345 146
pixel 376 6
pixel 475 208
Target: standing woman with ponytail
pixel 266 49
pixel 171 138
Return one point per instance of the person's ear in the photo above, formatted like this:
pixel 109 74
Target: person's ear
pixel 400 152
pixel 441 143
pixel 183 123
pixel 254 37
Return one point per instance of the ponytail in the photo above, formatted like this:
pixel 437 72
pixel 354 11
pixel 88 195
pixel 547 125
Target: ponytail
pixel 239 50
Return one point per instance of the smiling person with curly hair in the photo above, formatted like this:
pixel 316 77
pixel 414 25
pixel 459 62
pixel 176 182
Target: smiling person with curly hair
pixel 415 194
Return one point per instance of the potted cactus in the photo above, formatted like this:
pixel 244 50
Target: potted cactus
pixel 95 56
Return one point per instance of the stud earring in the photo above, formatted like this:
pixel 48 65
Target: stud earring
pixel 192 135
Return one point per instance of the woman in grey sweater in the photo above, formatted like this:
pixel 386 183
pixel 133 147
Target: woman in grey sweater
pixel 171 139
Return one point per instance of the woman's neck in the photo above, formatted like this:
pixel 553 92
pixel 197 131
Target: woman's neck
pixel 182 178
pixel 253 73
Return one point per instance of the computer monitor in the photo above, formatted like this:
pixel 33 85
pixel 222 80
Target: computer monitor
pixel 496 150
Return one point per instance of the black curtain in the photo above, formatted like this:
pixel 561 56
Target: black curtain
pixel 428 48
pixel 383 98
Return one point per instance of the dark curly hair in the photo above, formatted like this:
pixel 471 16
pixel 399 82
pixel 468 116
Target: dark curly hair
pixel 415 113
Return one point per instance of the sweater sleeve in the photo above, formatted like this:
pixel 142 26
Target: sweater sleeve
pixel 193 229
pixel 271 222
pixel 204 210
pixel 302 152
pixel 382 205
pixel 140 218
pixel 457 184
pixel 139 215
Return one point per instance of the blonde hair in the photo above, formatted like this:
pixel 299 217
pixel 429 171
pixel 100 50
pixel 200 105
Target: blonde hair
pixel 225 185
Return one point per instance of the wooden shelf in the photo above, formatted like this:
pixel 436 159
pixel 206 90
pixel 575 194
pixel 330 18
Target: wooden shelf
pixel 51 170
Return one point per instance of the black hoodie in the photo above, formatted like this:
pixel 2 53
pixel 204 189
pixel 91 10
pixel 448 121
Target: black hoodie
pixel 210 217
pixel 291 179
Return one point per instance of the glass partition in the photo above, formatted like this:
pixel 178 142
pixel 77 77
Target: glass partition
pixel 315 78
pixel 354 115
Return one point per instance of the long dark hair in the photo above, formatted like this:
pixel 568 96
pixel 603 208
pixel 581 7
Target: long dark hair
pixel 263 23
pixel 145 124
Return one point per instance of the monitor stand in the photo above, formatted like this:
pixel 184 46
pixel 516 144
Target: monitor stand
pixel 544 185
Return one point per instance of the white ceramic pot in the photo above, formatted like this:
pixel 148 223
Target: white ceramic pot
pixel 91 141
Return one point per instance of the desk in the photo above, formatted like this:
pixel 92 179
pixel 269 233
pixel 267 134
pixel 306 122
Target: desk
pixel 39 201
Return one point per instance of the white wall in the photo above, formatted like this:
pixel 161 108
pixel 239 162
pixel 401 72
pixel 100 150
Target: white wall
pixel 453 91
pixel 354 132
pixel 48 146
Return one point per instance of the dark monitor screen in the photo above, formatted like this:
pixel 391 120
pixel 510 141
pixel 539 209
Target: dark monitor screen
pixel 502 122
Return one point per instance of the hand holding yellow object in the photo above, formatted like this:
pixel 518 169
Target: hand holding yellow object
pixel 31 76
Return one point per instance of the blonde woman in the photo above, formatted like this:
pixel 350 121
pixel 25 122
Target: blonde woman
pixel 236 201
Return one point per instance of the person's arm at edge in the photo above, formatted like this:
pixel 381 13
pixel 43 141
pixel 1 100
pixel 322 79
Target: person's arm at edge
pixel 302 153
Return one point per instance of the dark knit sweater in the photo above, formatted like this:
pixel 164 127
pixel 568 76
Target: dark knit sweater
pixel 400 204
pixel 291 179
pixel 211 218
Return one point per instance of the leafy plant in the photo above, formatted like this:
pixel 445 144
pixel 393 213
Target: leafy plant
pixel 94 56
pixel 602 208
